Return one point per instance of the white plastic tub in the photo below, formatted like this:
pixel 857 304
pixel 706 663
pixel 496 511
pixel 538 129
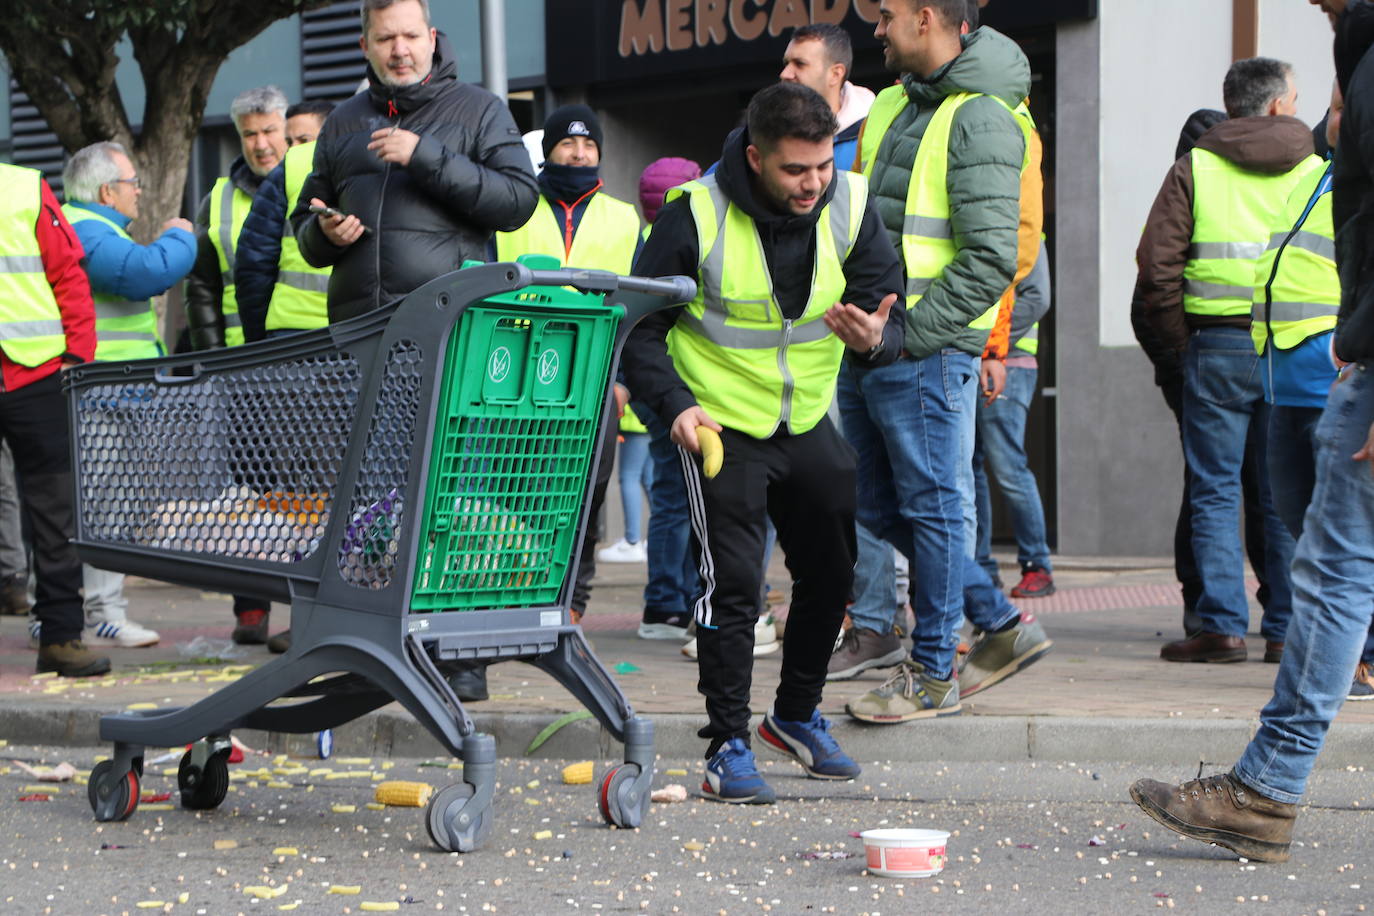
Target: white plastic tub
pixel 905 853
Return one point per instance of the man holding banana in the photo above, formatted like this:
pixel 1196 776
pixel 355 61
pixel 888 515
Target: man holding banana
pixel 792 267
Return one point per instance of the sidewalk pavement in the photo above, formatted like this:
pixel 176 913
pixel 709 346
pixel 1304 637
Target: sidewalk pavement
pixel 1101 694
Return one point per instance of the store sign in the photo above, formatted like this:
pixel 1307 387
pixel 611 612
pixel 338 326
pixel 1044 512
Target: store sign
pixel 652 26
pixel 598 41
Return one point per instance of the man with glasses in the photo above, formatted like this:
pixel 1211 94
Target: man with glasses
pixel 102 191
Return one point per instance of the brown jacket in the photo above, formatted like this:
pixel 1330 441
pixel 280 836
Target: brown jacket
pixel 1264 144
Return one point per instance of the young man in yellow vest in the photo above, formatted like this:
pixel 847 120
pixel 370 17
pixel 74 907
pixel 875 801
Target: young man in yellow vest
pixel 946 154
pixel 777 241
pixel 1209 223
pixel 212 314
pixel 102 191
pixel 277 291
pixel 47 322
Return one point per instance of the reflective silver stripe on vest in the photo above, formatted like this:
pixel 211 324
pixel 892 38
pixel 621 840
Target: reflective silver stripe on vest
pixel 712 324
pixel 126 335
pixel 122 309
pixel 1202 289
pixel 1292 311
pixel 1033 333
pixel 929 227
pixel 21 330
pixel 226 230
pixel 1314 242
pixel 233 320
pixel 299 279
pixel 919 286
pixel 1231 251
pixel 21 263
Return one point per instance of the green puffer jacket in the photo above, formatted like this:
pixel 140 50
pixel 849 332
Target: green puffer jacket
pixel 986 149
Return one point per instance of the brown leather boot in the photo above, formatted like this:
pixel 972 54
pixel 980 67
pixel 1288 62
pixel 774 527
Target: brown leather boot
pixel 71 659
pixel 1222 810
pixel 1205 647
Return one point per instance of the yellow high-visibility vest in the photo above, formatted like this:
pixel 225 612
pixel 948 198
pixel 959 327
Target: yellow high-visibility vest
pixel 1233 212
pixel 31 331
pixel 927 234
pixel 750 368
pixel 124 329
pixel 605 239
pixel 226 200
pixel 1297 290
pixel 300 297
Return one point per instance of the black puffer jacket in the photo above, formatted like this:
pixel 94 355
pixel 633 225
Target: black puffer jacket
pixel 469 176
pixel 1352 177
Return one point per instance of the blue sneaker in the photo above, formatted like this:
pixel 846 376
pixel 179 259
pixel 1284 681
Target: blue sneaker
pixel 732 776
pixel 809 743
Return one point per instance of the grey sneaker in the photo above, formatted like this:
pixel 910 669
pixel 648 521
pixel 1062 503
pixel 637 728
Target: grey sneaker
pixel 908 694
pixel 859 649
pixel 995 657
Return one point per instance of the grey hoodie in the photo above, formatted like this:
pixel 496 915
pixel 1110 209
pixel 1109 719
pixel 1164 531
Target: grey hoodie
pixel 986 149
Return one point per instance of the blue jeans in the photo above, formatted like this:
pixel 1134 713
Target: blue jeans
pixel 1222 398
pixel 636 479
pixel 905 423
pixel 1001 442
pixel 1333 601
pixel 875 580
pixel 1293 473
pixel 673 583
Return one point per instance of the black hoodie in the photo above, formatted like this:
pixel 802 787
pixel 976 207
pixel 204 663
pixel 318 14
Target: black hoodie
pixel 469 176
pixel 789 248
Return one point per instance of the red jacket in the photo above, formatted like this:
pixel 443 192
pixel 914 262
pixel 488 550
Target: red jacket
pixel 62 256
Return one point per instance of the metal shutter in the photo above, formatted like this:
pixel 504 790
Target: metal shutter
pixel 32 143
pixel 332 67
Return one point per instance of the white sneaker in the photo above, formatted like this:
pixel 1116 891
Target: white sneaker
pixel 34 627
pixel 126 634
pixel 622 551
pixel 765 639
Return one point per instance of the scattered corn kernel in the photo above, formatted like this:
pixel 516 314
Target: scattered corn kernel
pixel 576 774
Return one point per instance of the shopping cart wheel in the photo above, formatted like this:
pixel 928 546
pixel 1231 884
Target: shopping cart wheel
pixel 622 800
pixel 203 788
pixel 453 824
pixel 112 798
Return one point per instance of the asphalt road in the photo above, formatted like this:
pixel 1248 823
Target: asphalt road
pixel 1027 838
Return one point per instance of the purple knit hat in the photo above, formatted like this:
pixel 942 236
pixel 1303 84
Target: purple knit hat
pixel 658 177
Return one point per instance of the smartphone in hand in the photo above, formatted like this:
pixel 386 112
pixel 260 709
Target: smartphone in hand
pixel 330 211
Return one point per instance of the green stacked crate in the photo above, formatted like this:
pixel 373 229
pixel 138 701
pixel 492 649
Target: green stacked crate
pixel 523 390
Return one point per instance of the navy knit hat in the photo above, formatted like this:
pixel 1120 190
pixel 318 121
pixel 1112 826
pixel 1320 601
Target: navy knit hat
pixel 570 121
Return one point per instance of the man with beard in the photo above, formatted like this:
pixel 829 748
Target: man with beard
pixel 430 165
pixel 792 269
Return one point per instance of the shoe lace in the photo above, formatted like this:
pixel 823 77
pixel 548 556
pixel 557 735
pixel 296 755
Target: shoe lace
pixel 820 733
pixel 904 677
pixel 737 761
pixel 1219 783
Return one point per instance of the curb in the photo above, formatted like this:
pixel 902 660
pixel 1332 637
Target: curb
pixel 965 738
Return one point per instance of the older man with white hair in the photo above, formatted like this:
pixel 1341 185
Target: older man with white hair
pixel 102 189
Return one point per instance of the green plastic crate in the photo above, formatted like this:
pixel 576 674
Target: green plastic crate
pixel 524 385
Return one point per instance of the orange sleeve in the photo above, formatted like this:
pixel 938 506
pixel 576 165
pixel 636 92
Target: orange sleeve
pixel 1027 246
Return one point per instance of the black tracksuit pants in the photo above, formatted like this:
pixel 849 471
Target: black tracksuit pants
pixel 805 484
pixel 33 421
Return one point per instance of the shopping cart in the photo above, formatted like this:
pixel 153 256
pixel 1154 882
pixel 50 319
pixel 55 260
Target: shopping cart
pixel 412 481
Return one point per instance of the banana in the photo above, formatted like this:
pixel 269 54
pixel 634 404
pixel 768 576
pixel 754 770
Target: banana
pixel 712 451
